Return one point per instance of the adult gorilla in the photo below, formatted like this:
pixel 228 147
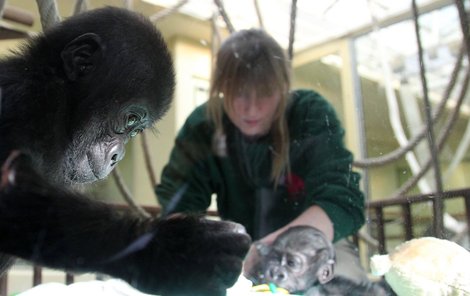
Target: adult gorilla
pixel 71 99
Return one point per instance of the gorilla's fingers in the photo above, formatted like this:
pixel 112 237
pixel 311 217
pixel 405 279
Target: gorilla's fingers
pixel 228 270
pixel 222 226
pixel 224 243
pixel 8 170
pixel 206 256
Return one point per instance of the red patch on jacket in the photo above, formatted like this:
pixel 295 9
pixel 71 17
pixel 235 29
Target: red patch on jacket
pixel 295 187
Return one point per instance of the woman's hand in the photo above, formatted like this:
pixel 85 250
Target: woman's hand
pixel 253 258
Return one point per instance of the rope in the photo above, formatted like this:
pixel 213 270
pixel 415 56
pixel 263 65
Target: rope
pixel 393 107
pixel 127 195
pixel 438 206
pixel 442 137
pixel 168 11
pixel 411 182
pixel 258 14
pixel 440 142
pixel 216 39
pixel 128 4
pixel 464 25
pixel 293 14
pixel 427 104
pixel 398 153
pixel 48 12
pixel 80 6
pixel 147 160
pixel 367 238
pixel 224 15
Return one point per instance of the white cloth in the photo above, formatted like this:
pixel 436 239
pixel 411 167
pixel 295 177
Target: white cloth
pixel 112 287
pixel 115 287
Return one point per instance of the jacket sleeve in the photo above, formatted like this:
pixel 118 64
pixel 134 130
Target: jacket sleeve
pixel 185 184
pixel 330 182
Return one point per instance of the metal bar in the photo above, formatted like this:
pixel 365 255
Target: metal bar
pixel 467 214
pixel 4 284
pixel 418 198
pixel 69 278
pixel 167 11
pixel 37 275
pixel 380 230
pixel 359 107
pixel 406 208
pixel 399 17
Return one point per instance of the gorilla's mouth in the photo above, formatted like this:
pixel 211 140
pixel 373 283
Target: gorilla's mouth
pixel 80 170
pixel 79 178
pixel 288 283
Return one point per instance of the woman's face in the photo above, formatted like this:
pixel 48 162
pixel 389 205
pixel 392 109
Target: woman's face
pixel 253 115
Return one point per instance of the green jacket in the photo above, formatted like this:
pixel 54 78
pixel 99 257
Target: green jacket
pixel 320 166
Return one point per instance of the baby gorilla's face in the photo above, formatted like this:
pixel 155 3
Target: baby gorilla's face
pixel 297 260
pixel 289 268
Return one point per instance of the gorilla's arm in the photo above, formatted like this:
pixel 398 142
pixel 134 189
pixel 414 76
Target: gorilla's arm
pixel 71 106
pixel 57 228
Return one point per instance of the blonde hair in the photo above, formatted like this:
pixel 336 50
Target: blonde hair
pixel 251 60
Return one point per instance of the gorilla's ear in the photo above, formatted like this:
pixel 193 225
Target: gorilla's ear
pixel 326 272
pixel 81 55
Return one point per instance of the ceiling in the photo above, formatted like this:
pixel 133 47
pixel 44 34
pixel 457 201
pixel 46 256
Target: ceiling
pixel 317 23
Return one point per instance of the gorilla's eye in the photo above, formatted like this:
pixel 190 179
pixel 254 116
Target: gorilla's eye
pixel 131 120
pixel 291 263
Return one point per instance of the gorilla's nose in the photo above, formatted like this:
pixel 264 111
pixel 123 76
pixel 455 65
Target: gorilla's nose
pixel 115 154
pixel 277 275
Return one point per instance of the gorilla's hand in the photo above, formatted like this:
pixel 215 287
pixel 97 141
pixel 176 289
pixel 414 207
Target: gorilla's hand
pixel 190 255
pixel 179 255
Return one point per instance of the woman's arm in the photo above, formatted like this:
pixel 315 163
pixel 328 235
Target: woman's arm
pixel 325 165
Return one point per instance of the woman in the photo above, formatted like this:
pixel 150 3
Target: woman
pixel 275 158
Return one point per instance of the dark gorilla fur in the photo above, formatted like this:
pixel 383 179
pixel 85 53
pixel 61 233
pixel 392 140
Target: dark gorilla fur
pixel 302 260
pixel 70 100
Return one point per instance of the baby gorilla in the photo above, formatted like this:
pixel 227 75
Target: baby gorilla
pixel 301 260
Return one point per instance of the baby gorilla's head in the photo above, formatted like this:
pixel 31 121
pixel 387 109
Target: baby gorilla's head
pixel 298 259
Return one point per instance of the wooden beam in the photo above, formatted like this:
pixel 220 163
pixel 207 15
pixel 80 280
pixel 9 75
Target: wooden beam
pixel 18 15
